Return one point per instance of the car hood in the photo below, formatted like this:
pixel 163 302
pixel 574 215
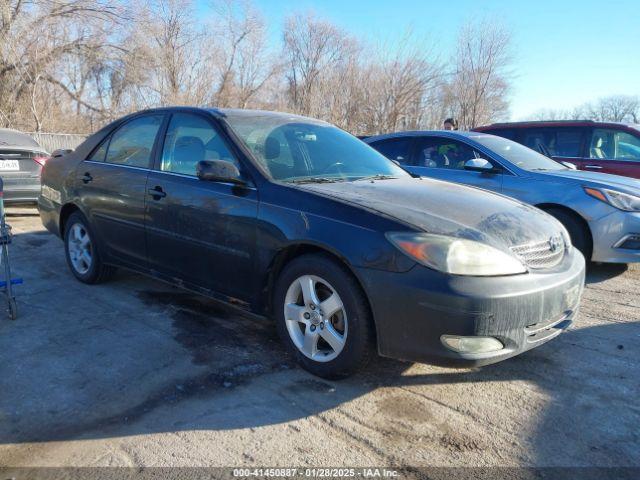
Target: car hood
pixel 446 208
pixel 594 179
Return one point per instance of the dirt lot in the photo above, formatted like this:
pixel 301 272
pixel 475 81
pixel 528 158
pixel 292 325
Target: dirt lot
pixel 135 373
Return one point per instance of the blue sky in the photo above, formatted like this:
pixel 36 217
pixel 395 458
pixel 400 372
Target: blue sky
pixel 566 52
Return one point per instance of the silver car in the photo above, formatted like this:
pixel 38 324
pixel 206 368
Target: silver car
pixel 600 211
pixel 21 162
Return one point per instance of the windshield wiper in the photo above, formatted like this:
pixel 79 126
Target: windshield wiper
pixel 316 180
pixel 377 176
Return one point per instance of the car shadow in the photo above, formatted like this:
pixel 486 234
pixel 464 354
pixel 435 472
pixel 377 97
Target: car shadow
pixel 135 357
pixel 600 272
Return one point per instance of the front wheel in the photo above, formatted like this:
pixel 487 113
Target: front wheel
pixel 323 317
pixel 83 255
pixel 578 232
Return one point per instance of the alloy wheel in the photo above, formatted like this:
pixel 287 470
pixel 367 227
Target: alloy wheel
pixel 316 318
pixel 80 248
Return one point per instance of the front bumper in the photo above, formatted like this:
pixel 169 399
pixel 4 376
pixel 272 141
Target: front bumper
pixel 608 232
pixel 413 310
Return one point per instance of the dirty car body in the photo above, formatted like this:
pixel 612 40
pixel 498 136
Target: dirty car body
pixel 21 161
pixel 232 239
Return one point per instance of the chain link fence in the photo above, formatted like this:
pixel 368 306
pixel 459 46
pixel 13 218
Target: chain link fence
pixel 54 141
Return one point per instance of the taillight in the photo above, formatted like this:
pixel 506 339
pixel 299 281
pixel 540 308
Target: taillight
pixel 40 160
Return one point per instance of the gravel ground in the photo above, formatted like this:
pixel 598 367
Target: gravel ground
pixel 136 373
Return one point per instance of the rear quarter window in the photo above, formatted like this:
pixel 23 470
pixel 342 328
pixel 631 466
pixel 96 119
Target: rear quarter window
pixel 398 149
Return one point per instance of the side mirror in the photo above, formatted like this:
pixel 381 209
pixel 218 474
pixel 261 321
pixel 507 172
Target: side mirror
pixel 569 165
pixel 479 165
pixel 219 171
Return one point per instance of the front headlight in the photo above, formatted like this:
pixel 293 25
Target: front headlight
pixel 619 200
pixel 568 246
pixel 457 256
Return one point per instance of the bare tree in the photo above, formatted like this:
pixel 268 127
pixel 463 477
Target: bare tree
pixel 399 86
pixel 244 61
pixel 34 39
pixel 616 108
pixel 477 91
pixel 312 47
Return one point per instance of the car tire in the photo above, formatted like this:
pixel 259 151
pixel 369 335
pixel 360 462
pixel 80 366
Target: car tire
pixel 82 252
pixel 580 236
pixel 344 336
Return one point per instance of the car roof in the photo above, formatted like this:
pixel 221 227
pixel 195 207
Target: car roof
pixel 425 133
pixel 227 112
pixel 556 123
pixel 15 138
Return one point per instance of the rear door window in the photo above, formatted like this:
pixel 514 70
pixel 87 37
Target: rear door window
pixel 555 142
pixel 132 144
pixel 398 149
pixel 509 133
pixel 443 153
pixel 609 144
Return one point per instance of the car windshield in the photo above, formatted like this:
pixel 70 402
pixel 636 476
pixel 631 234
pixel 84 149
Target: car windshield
pixel 296 149
pixel 519 155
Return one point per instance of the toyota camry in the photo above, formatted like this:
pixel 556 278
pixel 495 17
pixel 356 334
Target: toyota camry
pixel 296 220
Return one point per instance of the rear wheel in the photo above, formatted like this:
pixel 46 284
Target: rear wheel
pixel 323 317
pixel 578 231
pixel 83 255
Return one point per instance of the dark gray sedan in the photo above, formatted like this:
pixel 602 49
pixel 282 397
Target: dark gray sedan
pixel 21 162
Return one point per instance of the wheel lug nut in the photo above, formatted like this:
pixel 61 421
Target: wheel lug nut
pixel 313 328
pixel 322 326
pixel 312 306
pixel 307 316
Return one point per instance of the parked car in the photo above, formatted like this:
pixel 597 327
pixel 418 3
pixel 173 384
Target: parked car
pixel 603 147
pixel 21 161
pixel 601 212
pixel 293 218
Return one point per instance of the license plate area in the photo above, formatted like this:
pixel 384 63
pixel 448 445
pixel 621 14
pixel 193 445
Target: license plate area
pixel 9 165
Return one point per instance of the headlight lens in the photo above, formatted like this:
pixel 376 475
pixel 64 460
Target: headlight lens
pixel 622 201
pixel 567 239
pixel 457 256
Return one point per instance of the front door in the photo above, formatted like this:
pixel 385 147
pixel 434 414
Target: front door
pixel 613 151
pixel 112 188
pixel 200 232
pixel 445 158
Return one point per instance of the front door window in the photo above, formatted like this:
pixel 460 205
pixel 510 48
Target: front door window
pixel 607 144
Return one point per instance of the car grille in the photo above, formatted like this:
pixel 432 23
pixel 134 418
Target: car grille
pixel 546 254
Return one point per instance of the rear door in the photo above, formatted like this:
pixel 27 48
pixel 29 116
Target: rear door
pixel 112 187
pixel 444 158
pixel 613 151
pixel 200 232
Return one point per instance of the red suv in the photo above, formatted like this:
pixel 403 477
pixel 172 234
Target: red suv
pixel 594 146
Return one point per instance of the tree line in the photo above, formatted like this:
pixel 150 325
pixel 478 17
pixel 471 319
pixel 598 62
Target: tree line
pixel 72 66
pixel 614 108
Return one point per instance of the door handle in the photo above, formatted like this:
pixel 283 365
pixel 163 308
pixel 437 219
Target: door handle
pixel 157 193
pixel 593 167
pixel 86 178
